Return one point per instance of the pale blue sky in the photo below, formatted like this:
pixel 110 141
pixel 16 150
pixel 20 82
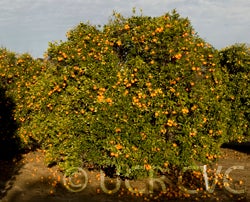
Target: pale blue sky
pixel 28 25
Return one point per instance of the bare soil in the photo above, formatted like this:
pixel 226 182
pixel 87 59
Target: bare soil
pixel 27 179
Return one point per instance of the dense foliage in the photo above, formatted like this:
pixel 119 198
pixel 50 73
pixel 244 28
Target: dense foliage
pixel 235 61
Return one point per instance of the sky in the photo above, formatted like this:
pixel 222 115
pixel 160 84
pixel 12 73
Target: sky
pixel 29 25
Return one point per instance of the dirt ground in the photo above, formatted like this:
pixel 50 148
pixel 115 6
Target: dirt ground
pixel 27 179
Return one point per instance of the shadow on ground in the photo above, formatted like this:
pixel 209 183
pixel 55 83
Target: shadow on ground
pixel 243 147
pixel 9 144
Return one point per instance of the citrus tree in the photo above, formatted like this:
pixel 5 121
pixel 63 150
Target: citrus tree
pixel 142 92
pixel 235 61
pixel 18 74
